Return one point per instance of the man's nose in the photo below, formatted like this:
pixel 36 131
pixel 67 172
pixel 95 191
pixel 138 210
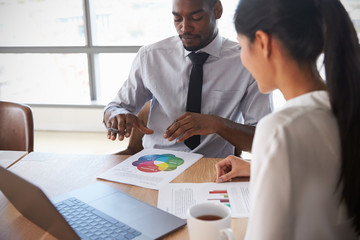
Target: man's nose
pixel 186 26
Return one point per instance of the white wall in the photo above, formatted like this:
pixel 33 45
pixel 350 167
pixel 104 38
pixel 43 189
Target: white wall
pixel 52 118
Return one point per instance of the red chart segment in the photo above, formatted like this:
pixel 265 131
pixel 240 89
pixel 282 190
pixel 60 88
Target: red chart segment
pixel 158 162
pixel 220 196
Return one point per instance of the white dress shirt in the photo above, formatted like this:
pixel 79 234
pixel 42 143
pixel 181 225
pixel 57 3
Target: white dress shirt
pixel 161 71
pixel 294 174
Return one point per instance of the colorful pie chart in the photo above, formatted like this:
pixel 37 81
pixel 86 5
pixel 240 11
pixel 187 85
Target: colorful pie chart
pixel 158 163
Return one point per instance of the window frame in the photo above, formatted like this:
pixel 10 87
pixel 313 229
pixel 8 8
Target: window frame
pixel 91 50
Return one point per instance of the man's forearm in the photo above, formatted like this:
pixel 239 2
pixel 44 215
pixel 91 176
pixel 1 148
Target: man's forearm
pixel 239 135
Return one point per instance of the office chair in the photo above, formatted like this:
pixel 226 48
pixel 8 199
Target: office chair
pixel 16 127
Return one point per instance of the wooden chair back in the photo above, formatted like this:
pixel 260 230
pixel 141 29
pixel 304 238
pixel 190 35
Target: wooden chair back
pixel 16 127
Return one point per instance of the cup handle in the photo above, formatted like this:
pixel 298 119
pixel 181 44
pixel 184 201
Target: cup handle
pixel 228 233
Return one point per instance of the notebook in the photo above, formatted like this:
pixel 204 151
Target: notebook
pixel 106 212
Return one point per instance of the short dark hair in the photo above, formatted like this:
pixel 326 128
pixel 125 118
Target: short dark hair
pixel 211 3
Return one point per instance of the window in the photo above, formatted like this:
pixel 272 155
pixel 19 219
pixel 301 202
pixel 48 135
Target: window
pixel 79 52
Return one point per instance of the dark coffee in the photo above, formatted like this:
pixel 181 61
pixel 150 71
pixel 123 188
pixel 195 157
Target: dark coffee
pixel 209 217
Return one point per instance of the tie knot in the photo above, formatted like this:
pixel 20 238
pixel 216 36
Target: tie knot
pixel 198 58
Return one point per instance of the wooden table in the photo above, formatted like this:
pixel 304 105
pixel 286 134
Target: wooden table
pixel 8 158
pixel 60 173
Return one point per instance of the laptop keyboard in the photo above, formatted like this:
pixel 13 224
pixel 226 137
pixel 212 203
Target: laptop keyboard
pixel 90 223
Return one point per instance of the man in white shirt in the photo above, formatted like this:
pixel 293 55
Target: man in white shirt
pixel 160 73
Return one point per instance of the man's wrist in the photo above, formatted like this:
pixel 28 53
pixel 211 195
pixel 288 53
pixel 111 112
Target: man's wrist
pixel 220 125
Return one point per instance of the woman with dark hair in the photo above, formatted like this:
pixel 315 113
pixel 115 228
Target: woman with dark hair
pixel 305 173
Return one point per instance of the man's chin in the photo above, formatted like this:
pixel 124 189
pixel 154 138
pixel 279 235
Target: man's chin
pixel 191 48
pixel 190 44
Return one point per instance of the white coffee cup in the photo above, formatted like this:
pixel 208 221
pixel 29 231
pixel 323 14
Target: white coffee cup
pixel 210 221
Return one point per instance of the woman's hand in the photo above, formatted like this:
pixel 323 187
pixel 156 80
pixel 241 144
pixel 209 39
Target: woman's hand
pixel 231 167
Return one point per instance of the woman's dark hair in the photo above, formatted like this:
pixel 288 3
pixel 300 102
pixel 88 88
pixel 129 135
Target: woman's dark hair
pixel 306 28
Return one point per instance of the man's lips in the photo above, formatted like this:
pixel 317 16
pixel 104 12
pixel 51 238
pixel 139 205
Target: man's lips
pixel 188 38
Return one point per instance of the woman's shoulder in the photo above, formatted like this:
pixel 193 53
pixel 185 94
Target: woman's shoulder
pixel 298 111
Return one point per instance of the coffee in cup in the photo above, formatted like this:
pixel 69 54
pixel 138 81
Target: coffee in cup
pixel 209 221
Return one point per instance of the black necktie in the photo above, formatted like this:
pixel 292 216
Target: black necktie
pixel 194 93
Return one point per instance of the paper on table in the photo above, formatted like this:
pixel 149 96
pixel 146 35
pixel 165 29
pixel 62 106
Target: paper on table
pixel 151 168
pixel 176 198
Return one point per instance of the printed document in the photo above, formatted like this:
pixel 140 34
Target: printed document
pixel 177 198
pixel 151 168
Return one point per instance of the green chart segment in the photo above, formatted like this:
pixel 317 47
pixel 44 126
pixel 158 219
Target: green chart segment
pixel 220 196
pixel 158 162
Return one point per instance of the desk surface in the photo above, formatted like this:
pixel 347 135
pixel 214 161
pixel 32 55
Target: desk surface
pixel 8 158
pixel 60 173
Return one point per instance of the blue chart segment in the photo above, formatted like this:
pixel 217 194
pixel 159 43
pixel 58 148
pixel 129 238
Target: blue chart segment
pixel 158 163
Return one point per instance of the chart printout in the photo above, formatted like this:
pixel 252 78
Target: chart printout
pixel 177 198
pixel 151 168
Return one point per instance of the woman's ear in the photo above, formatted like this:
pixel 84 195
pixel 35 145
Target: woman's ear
pixel 218 9
pixel 264 41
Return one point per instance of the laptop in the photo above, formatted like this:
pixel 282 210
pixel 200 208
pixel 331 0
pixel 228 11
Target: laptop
pixel 106 213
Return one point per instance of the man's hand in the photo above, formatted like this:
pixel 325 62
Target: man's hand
pixel 190 124
pixel 231 167
pixel 123 124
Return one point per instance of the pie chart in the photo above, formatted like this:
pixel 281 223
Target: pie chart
pixel 157 163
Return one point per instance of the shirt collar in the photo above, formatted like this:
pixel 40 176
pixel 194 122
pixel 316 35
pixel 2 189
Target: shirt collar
pixel 317 99
pixel 213 48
